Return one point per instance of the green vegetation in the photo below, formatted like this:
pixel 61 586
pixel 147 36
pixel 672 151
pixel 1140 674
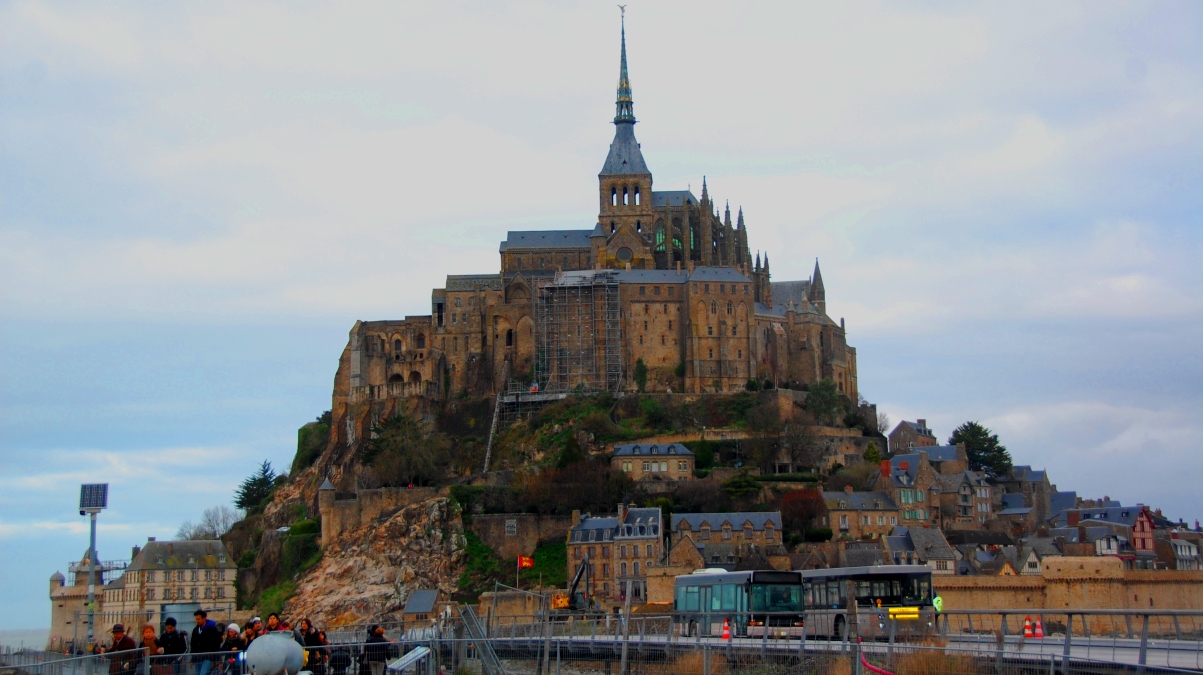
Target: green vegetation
pixel 985 452
pixel 311 442
pixel 405 451
pixel 482 569
pixel 272 599
pixel 254 492
pixel 551 565
pixel 824 402
pixel 741 486
pixel 247 559
pixel 301 551
pixel 872 454
pixel 640 375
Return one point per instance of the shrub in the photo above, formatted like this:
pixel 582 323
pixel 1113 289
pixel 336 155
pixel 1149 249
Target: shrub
pixel 640 375
pixel 272 599
pixel 752 385
pixel 819 534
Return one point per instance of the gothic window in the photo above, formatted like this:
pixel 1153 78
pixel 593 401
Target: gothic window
pixel 637 195
pixel 713 307
pixel 626 197
pixel 612 227
pixel 693 237
pixel 659 239
pixel 613 202
pixel 396 345
pixel 509 338
pixel 730 309
pixel 421 341
pixel 455 343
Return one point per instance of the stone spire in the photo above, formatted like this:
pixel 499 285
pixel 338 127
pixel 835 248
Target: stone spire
pixel 739 224
pixel 624 106
pixel 705 192
pixel 625 158
pixel 817 294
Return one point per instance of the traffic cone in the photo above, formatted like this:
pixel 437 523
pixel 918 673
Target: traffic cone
pixel 1039 628
pixel 726 629
pixel 1027 626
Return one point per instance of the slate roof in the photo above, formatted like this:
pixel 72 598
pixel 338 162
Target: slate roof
pixel 907 477
pixel 646 449
pixel 1025 474
pixel 1043 546
pixel 718 274
pixel 594 528
pixel 862 554
pixel 115 584
pixel 1059 501
pixel 1069 534
pixel 178 554
pixel 765 310
pixel 859 501
pixel 939 453
pixel 979 537
pixel 923 431
pixel 546 239
pixel 625 156
pixel 673 198
pixel 930 544
pixel 1012 501
pixel 471 282
pixel 326 485
pixel 1125 515
pixel 785 292
pixel 421 602
pixel 736 518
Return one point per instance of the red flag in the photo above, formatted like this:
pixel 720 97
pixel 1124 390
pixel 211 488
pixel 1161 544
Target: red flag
pixel 525 562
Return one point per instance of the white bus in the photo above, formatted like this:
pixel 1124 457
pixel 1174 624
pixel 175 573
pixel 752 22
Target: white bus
pixel 751 603
pixel 889 598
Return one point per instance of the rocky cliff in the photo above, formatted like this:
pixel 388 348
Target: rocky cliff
pixel 369 572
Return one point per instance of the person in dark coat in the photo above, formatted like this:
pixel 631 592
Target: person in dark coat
pixel 123 652
pixel 232 648
pixel 340 660
pixel 174 644
pixel 206 642
pixel 378 650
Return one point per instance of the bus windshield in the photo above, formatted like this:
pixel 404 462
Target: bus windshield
pixel 776 598
pixel 907 590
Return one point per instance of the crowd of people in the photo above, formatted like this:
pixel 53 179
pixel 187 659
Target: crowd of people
pixel 217 648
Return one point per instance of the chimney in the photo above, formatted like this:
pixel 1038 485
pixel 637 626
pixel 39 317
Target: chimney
pixel 149 539
pixel 848 489
pixel 576 518
pixel 922 423
pixel 622 513
pixel 885 467
pixel 134 553
pixel 905 466
pixel 1073 517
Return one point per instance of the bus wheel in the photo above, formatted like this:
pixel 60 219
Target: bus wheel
pixel 838 633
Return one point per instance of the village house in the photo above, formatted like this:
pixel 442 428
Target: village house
pixel 860 515
pixel 618 549
pixel 667 462
pixel 909 435
pixel 920 546
pixel 732 540
pixel 908 480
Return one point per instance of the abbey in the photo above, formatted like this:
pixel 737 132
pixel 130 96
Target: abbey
pixel 662 279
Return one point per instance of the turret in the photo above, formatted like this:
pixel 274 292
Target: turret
pixel 817 294
pixel 325 507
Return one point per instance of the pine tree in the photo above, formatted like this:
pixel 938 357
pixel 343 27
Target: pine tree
pixel 983 449
pixel 256 489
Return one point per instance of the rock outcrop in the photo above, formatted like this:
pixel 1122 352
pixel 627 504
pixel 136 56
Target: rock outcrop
pixel 368 573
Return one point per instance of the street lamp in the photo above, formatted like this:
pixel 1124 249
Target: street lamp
pixel 93 498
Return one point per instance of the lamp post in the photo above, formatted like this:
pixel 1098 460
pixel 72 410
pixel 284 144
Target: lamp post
pixel 93 498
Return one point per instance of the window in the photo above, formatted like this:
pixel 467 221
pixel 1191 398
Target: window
pixel 150 576
pixel 662 340
pixel 192 593
pixel 208 575
pixel 919 495
pixel 844 521
pixel 613 202
pixel 730 308
pixel 942 564
pixel 622 551
pixel 670 324
pixel 643 290
pixel 711 353
pixel 626 196
pixel 726 533
pixel 893 520
pixel 221 574
pixel 454 318
pixel 645 323
pixel 671 291
pixel 622 568
pixel 576 551
pixel 208 593
pixel 656 291
pixel 179 575
pixel 713 307
pixel 710 330
pixel 682 465
pixel 396 348
pixel 734 330
pixel 649 550
pixel 605 570
pixel 647 466
pixel 635 567
pixel 626 466
pixel 150 594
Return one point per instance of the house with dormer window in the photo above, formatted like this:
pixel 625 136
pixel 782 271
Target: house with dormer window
pixel 860 515
pixel 617 549
pixel 908 480
pixel 657 462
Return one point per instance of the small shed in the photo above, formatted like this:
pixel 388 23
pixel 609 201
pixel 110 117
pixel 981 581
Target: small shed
pixel 420 605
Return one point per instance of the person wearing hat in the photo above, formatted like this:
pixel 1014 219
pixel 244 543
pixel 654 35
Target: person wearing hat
pixel 378 650
pixel 122 650
pixel 232 647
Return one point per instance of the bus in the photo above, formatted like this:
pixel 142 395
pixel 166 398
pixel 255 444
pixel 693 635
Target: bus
pixel 895 598
pixel 752 602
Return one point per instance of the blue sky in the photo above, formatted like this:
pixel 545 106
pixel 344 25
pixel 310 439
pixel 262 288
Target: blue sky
pixel 197 201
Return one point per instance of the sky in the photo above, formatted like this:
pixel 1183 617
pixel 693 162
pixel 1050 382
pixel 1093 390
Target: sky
pixel 197 201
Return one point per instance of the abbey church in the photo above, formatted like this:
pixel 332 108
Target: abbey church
pixel 662 283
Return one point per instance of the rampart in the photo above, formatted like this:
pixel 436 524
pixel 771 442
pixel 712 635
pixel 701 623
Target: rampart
pixel 515 534
pixel 345 513
pixel 1076 583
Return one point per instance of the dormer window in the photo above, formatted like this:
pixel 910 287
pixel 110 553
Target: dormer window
pixel 191 560
pixel 159 560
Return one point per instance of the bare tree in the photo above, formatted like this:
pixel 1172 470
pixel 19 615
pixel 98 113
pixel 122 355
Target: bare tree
pixel 803 444
pixel 214 522
pixel 883 423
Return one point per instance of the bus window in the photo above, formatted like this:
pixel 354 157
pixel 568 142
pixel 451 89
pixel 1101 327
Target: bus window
pixel 835 593
pixel 722 597
pixel 729 596
pixel 690 603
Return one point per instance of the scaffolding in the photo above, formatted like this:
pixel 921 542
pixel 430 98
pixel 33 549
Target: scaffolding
pixel 578 341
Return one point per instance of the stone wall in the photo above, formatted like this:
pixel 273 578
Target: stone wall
pixel 515 534
pixel 1076 583
pixel 344 514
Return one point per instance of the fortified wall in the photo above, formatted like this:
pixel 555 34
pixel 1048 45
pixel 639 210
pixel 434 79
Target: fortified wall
pixel 515 534
pixel 1076 583
pixel 342 513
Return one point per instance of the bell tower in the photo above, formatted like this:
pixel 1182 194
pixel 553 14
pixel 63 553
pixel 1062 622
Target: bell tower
pixel 625 183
